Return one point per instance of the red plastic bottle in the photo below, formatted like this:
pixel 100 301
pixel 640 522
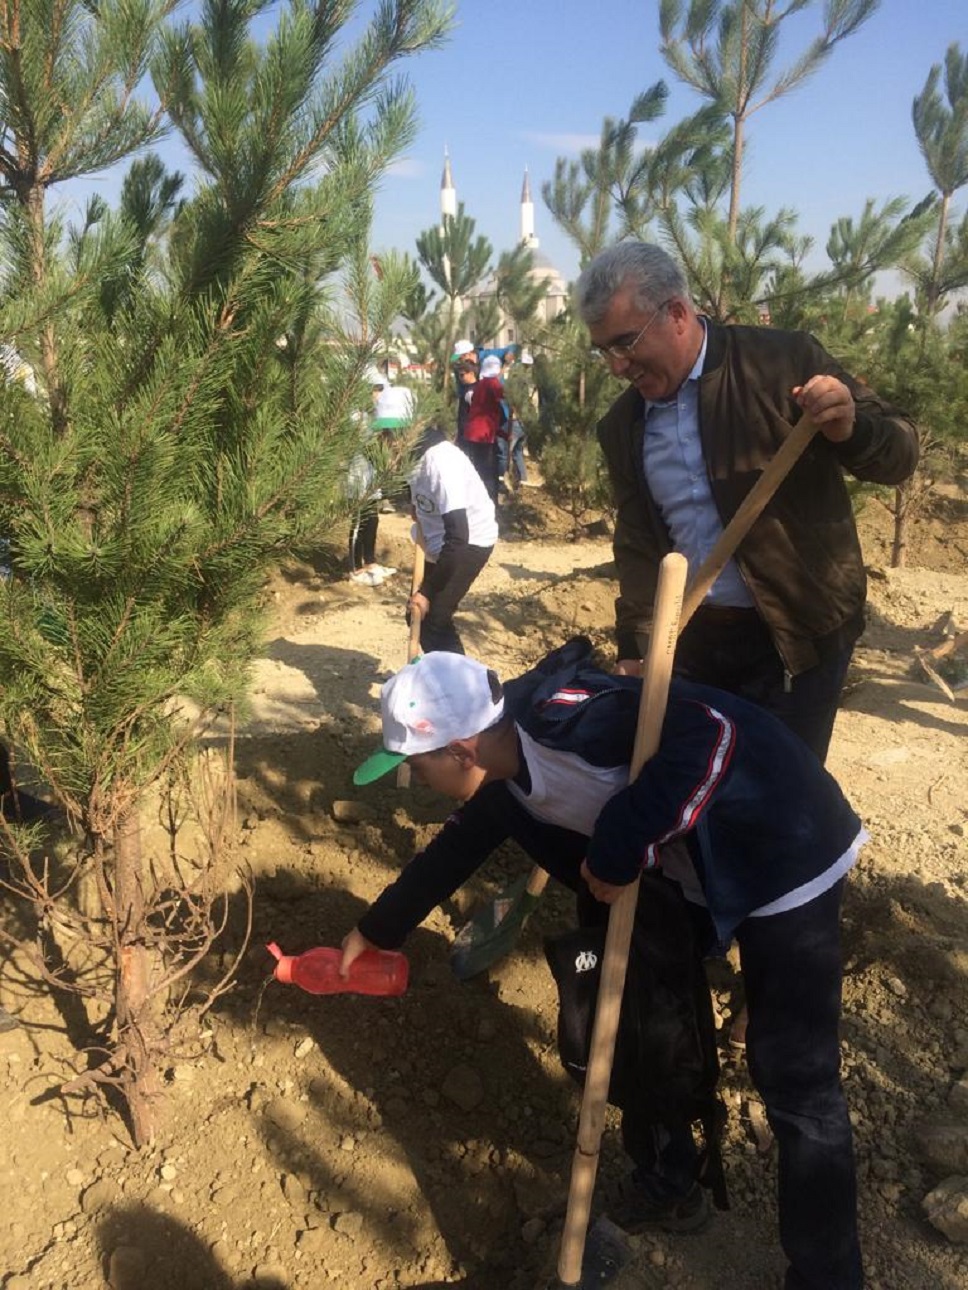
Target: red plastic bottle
pixel 381 972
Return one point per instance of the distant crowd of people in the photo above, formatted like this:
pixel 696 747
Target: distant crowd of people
pixel 454 485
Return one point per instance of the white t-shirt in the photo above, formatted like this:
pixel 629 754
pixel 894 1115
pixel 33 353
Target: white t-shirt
pixel 445 480
pixel 565 789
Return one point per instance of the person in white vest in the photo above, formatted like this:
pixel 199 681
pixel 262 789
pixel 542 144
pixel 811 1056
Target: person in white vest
pixel 392 413
pixel 458 528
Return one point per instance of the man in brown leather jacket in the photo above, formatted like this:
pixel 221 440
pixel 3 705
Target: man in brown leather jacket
pixel 706 409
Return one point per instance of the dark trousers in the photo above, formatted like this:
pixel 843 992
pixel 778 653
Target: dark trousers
pixel 363 537
pixel 792 969
pixel 484 459
pixel 437 631
pixel 735 652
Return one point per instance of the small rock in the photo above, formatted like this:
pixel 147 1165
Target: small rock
pixel 352 812
pixel 100 1195
pixel 532 1231
pixel 126 1268
pixel 294 1189
pixel 285 1114
pixel 315 1241
pixel 958 1097
pixel 944 1148
pixel 350 1223
pixel 169 1172
pixel 75 1177
pixel 463 1087
pixel 946 1208
pixel 304 1047
pixel 269 1274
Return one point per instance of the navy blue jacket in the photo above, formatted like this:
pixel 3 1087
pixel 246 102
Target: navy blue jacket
pixel 760 814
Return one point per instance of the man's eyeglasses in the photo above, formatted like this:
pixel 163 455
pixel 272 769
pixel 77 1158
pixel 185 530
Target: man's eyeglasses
pixel 623 350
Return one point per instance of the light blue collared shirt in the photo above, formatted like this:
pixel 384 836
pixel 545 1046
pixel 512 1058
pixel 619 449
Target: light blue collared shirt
pixel 673 462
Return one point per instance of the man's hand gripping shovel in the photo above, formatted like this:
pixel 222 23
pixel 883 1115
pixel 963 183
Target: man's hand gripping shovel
pixel 494 929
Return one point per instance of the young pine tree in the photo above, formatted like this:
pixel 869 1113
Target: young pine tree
pixel 198 369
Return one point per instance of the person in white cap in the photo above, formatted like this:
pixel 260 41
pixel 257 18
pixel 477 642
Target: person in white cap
pixel 392 413
pixel 764 840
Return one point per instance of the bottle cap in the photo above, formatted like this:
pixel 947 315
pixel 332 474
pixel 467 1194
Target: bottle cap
pixel 284 962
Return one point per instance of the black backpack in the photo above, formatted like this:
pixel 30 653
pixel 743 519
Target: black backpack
pixel 666 1059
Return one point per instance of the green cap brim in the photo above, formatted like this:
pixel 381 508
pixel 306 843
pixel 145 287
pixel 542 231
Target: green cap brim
pixel 390 423
pixel 377 765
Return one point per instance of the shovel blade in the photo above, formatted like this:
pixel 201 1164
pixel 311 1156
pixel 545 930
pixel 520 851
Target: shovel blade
pixel 492 932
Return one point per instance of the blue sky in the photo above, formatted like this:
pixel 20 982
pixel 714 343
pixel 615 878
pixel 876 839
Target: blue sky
pixel 521 82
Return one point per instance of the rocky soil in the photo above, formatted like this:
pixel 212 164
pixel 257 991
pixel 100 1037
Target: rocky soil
pixel 426 1141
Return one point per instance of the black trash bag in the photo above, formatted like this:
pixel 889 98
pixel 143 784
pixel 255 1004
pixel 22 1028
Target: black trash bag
pixel 666 1061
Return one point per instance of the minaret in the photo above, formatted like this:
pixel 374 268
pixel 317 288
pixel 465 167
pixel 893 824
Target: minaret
pixel 448 204
pixel 527 214
pixel 448 193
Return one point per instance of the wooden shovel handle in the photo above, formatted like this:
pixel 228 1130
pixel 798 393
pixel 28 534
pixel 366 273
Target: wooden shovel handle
pixel 652 707
pixel 419 564
pixel 413 635
pixel 537 881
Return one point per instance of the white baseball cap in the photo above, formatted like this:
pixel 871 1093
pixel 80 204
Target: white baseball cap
pixel 491 366
pixel 463 347
pixel 435 699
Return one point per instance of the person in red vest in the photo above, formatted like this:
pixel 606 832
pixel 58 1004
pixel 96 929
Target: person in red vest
pixel 485 422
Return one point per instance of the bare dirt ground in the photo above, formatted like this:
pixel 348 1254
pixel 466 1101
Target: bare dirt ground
pixel 426 1140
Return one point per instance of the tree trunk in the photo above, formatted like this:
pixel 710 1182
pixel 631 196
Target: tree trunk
pixel 899 548
pixel 934 292
pixel 137 1033
pixel 739 122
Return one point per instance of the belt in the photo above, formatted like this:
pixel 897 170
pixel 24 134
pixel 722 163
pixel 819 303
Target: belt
pixel 726 614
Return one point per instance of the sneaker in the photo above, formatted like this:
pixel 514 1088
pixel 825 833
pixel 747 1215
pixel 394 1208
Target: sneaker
pixel 634 1212
pixel 366 578
pixel 387 570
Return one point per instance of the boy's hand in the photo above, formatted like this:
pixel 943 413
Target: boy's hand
pixel 628 667
pixel 606 892
pixel 354 943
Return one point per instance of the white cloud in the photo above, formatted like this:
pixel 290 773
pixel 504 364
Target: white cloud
pixel 406 168
pixel 567 143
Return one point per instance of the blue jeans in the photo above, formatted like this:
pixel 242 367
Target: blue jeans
pixel 792 969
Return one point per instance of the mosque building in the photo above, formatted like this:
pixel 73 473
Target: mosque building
pixel 556 295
